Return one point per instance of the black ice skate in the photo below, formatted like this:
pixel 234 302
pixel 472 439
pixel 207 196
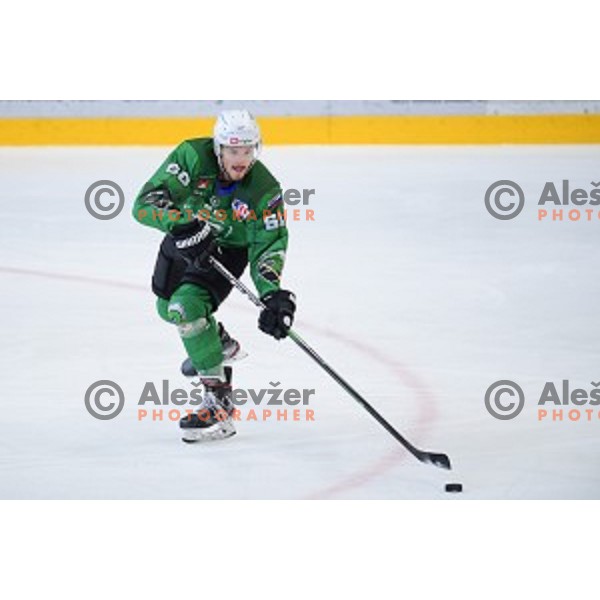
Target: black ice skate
pixel 232 352
pixel 213 420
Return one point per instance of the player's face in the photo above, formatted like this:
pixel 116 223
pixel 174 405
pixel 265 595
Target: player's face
pixel 237 161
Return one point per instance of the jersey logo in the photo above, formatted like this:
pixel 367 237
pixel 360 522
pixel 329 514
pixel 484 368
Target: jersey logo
pixel 240 208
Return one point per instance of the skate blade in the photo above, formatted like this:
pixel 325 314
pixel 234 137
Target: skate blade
pixel 220 431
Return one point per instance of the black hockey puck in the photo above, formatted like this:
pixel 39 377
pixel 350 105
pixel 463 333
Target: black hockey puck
pixel 454 487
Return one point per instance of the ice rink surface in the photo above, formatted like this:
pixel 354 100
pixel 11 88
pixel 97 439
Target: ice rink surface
pixel 405 284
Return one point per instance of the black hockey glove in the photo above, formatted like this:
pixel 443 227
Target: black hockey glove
pixel 278 316
pixel 195 241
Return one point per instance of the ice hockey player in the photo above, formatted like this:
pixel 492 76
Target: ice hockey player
pixel 213 197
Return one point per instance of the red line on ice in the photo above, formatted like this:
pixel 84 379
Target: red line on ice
pixel 426 415
pixel 423 396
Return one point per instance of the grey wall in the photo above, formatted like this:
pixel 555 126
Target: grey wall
pixel 187 108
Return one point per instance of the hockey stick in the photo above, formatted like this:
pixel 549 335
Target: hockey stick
pixel 438 460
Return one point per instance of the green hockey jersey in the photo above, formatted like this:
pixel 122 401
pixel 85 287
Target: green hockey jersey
pixel 245 214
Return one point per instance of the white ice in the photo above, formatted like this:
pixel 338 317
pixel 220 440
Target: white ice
pixel 405 284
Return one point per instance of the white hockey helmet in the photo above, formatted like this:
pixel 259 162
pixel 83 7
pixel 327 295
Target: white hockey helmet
pixel 236 128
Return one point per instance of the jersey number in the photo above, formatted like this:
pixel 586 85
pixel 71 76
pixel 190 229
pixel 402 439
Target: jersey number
pixel 274 221
pixel 182 176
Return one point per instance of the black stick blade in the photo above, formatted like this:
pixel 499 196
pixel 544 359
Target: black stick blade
pixel 437 460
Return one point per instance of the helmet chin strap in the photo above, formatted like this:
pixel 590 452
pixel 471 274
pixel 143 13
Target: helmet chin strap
pixel 220 162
